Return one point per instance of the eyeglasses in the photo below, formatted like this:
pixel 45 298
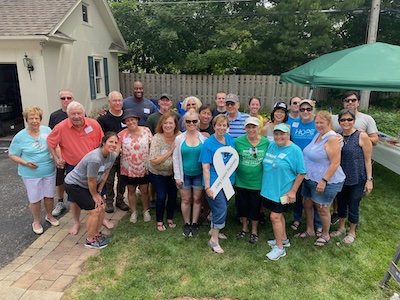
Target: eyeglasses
pixel 230 103
pixel 191 121
pixel 63 98
pixel 350 100
pixel 348 120
pixel 303 109
pixel 295 103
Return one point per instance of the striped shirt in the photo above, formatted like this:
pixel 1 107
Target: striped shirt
pixel 236 127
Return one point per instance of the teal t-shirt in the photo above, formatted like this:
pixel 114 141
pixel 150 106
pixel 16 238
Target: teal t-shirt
pixel 190 159
pixel 249 170
pixel 280 168
pixel 33 150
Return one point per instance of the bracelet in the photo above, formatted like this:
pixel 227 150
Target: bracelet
pixel 326 181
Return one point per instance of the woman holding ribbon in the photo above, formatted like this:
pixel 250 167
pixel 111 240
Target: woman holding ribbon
pixel 218 158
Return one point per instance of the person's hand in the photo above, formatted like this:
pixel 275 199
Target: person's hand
pixel 210 193
pixel 99 201
pixel 339 137
pixel 32 165
pixel 368 187
pixel 321 186
pixel 291 196
pixel 206 134
pixel 60 163
pixel 179 184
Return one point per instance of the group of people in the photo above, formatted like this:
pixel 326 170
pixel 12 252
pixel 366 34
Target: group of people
pixel 295 159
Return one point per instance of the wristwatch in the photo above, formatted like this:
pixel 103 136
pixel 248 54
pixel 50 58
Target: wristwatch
pixel 370 178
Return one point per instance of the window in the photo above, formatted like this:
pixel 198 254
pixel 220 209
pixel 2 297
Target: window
pixel 85 16
pixel 98 77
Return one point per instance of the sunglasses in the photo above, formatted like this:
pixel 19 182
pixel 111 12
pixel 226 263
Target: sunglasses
pixel 303 109
pixel 350 100
pixel 191 121
pixel 230 103
pixel 254 151
pixel 63 98
pixel 348 120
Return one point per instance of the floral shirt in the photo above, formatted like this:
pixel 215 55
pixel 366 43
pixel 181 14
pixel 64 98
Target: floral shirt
pixel 159 147
pixel 135 153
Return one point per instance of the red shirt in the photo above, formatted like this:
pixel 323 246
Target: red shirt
pixel 75 143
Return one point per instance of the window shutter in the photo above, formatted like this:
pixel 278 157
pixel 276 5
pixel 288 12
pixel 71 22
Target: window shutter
pixel 91 78
pixel 106 83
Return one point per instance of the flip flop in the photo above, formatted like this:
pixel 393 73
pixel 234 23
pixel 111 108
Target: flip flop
pixel 318 232
pixel 324 241
pixel 303 235
pixel 349 239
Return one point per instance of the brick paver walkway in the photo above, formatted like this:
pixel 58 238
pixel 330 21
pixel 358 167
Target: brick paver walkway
pixel 50 264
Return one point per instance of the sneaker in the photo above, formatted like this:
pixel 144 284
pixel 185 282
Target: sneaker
pixel 334 218
pixel 96 244
pixel 101 237
pixel 152 204
pixel 122 205
pixel 276 253
pixel 60 206
pixel 187 230
pixel 146 216
pixel 109 207
pixel 195 229
pixel 133 218
pixel 285 243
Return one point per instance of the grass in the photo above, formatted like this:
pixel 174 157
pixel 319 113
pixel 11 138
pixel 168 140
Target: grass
pixel 141 263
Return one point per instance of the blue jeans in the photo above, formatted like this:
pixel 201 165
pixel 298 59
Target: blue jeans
pixel 164 186
pixel 349 201
pixel 298 210
pixel 219 209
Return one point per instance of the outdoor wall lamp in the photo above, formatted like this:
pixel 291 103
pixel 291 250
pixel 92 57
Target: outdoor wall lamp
pixel 28 65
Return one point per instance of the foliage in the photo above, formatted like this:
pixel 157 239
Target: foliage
pixel 142 263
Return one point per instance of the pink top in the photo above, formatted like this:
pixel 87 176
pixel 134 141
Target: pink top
pixel 135 153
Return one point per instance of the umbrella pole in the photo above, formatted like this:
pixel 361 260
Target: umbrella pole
pixel 310 94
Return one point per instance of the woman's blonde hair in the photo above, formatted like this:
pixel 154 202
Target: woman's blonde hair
pixel 219 119
pixel 33 110
pixel 326 115
pixel 195 99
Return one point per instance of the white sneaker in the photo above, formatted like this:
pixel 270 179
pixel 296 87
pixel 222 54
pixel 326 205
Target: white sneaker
pixel 276 253
pixel 133 218
pixel 60 206
pixel 146 216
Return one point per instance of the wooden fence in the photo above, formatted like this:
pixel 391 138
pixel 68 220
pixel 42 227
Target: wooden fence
pixel 179 86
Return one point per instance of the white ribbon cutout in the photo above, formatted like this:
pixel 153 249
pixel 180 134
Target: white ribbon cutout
pixel 224 171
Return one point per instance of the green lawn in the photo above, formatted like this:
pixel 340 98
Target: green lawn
pixel 141 263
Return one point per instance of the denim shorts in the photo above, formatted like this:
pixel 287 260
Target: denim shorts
pixel 194 182
pixel 309 190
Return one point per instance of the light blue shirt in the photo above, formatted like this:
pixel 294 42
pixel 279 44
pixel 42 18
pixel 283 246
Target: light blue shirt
pixel 32 150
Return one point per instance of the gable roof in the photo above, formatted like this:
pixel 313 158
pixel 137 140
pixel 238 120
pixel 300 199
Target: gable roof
pixel 27 19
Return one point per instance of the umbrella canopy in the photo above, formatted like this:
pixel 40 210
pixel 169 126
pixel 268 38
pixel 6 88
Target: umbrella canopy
pixel 374 67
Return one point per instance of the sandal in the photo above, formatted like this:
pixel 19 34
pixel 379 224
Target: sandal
pixel 295 225
pixel 318 232
pixel 303 235
pixel 253 238
pixel 349 239
pixel 171 224
pixel 161 227
pixel 338 232
pixel 320 243
pixel 220 235
pixel 215 247
pixel 241 234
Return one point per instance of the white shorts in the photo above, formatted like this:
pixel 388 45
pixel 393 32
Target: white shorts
pixel 38 188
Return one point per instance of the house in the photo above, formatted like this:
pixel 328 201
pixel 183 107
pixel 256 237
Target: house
pixel 47 45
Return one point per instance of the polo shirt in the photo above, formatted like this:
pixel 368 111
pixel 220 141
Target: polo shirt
pixel 236 127
pixel 75 143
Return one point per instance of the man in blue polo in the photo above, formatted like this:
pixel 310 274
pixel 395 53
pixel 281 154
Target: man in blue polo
pixel 236 118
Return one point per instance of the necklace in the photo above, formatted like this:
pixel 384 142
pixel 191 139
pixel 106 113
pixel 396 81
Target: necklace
pixel 346 138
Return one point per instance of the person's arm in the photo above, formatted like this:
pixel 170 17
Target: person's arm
pixel 292 193
pixel 21 161
pixel 207 184
pixel 163 157
pixel 60 162
pixel 373 137
pixel 366 145
pixel 264 130
pixel 177 166
pixel 332 148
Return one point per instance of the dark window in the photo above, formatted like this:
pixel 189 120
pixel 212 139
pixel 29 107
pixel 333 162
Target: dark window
pixel 85 13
